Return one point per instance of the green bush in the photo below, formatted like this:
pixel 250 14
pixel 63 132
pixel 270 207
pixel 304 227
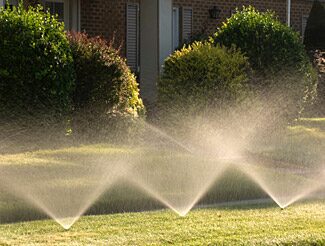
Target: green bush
pixel 315 29
pixel 284 76
pixel 36 66
pixel 267 42
pixel 105 86
pixel 202 77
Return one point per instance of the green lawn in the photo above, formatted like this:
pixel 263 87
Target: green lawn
pixel 302 144
pixel 302 224
pixel 300 147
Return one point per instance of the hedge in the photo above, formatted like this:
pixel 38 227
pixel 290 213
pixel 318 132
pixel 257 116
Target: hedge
pixel 36 68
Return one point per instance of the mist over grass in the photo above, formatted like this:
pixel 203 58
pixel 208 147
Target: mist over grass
pixel 250 150
pixel 161 173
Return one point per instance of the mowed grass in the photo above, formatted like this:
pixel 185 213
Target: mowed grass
pixel 301 145
pixel 302 224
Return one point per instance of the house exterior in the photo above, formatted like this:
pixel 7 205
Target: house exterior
pixel 149 30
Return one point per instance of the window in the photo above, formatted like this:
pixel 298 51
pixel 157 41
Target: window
pixel 59 8
pixel 132 36
pixel 55 8
pixel 175 29
pixel 67 12
pixel 11 3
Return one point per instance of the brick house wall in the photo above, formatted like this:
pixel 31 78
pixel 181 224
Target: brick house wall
pixel 108 18
pixel 202 22
pixel 105 18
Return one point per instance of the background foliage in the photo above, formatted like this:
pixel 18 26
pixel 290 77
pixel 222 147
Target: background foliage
pixel 315 30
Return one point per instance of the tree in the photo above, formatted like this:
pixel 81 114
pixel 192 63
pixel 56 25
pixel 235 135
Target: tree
pixel 315 29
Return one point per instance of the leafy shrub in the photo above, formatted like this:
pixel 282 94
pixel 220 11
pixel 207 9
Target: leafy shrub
pixel 267 42
pixel 201 77
pixel 105 86
pixel 315 29
pixel 276 53
pixel 36 66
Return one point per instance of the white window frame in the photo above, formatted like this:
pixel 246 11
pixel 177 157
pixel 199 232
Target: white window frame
pixel 66 18
pixel 176 28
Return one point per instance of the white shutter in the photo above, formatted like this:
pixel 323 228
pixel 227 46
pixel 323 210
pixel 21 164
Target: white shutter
pixel 187 23
pixel 132 36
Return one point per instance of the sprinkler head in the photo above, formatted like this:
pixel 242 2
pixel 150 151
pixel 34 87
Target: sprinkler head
pixel 66 227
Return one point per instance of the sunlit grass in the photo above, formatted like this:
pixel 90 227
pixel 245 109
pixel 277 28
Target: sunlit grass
pixel 302 144
pixel 301 224
pixel 312 119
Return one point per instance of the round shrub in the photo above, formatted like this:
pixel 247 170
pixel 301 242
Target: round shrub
pixel 36 66
pixel 202 77
pixel 284 76
pixel 106 90
pixel 267 42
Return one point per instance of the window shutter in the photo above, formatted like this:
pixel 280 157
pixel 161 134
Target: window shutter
pixel 187 23
pixel 132 36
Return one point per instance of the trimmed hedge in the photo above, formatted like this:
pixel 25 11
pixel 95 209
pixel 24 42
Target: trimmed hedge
pixel 36 65
pixel 103 80
pixel 267 42
pixel 106 98
pixel 202 77
pixel 284 76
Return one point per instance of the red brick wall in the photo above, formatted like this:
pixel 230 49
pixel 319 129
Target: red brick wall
pixel 105 18
pixel 201 20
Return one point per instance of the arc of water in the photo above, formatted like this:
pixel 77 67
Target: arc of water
pixel 66 223
pixel 168 137
pixel 266 187
pixel 106 180
pixel 185 208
